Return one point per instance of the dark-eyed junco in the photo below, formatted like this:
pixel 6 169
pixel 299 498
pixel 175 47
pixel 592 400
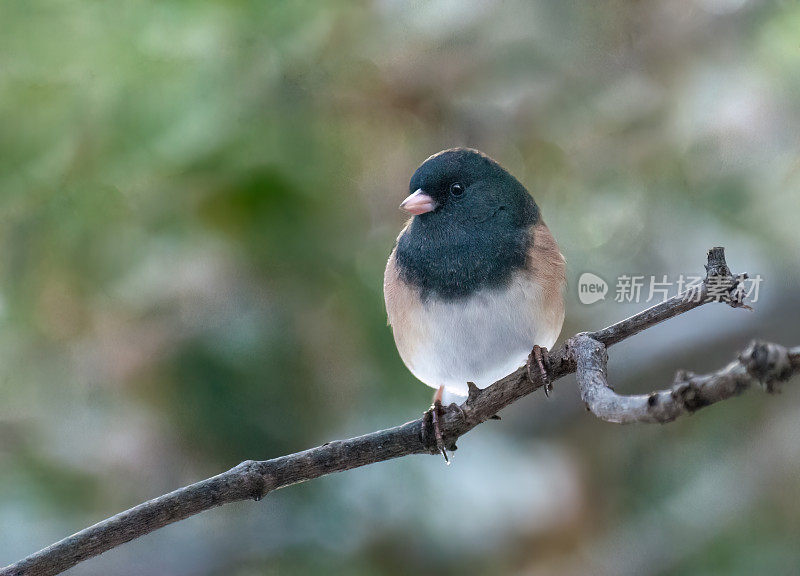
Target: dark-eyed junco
pixel 476 279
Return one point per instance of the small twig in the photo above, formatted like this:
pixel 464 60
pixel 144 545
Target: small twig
pixel 586 353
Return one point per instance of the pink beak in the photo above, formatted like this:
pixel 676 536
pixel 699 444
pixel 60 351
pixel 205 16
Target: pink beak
pixel 418 203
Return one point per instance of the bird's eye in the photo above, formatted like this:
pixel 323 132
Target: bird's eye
pixel 456 189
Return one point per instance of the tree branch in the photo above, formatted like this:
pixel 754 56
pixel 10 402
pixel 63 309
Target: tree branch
pixel 760 363
pixel 584 353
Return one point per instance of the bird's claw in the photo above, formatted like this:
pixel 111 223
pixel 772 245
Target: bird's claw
pixel 539 356
pixel 436 411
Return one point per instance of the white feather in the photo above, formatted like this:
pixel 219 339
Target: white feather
pixel 480 339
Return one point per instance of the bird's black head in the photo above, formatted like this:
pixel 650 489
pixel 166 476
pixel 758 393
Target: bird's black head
pixel 467 188
pixel 471 224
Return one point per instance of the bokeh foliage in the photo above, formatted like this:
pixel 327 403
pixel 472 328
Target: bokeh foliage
pixel 196 203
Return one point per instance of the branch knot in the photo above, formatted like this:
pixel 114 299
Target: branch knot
pixel 768 363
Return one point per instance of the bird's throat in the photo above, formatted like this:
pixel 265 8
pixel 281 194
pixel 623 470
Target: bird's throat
pixel 452 263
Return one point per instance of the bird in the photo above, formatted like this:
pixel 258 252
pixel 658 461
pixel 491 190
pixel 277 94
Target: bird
pixel 474 286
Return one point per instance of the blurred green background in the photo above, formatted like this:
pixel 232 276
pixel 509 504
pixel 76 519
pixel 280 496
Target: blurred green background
pixel 197 200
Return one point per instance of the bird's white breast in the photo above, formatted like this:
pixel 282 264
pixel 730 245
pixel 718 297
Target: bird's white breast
pixel 479 339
